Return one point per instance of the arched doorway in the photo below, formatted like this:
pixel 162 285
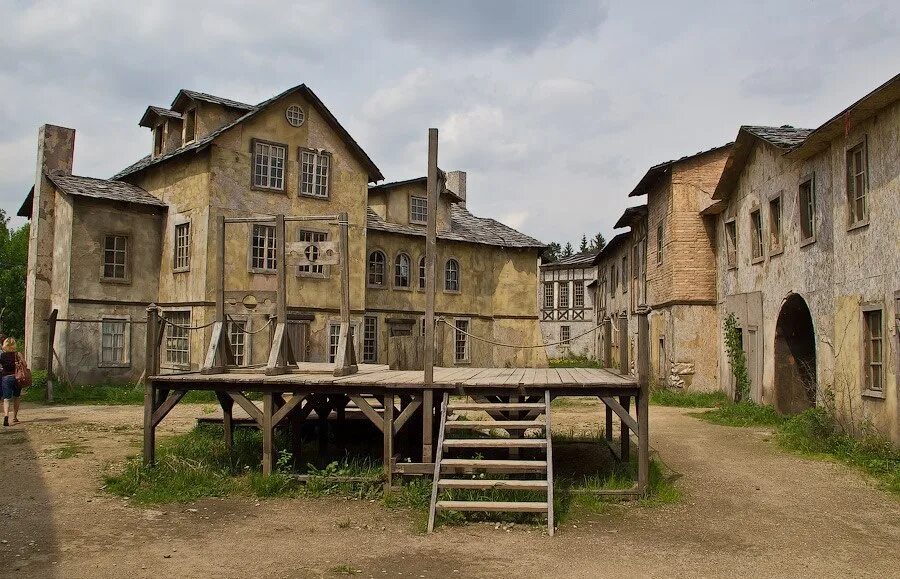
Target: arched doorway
pixel 795 357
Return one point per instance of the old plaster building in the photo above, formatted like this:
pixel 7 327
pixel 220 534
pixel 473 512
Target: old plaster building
pixel 568 305
pixel 102 250
pixel 614 305
pixel 808 238
pixel 672 268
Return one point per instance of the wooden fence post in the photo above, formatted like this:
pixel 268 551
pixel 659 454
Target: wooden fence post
pixel 624 368
pixel 51 338
pixel 642 367
pixel 431 186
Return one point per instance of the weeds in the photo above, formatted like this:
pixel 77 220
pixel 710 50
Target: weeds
pixel 106 394
pixel 575 362
pixel 686 399
pixel 67 450
pixel 745 413
pixel 345 570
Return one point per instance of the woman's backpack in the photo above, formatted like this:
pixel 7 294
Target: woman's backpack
pixel 23 373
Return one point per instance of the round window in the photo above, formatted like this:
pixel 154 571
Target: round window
pixel 294 115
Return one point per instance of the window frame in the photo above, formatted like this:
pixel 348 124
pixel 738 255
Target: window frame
pixel 578 296
pixel 411 212
pixel 458 276
pixel 549 285
pixel 126 342
pixel 248 337
pixel 421 270
pixel 334 341
pixel 263 270
pixel 565 341
pixel 866 359
pixel 801 206
pixel 563 291
pixel 159 139
pixel 167 336
pixel 626 278
pixel 779 248
pixel 757 249
pixel 284 168
pixel 373 359
pixel 309 273
pixel 318 156
pixel 660 247
pixel 369 282
pixel 396 265
pixel 191 114
pixel 126 275
pixel 854 221
pixel 730 233
pixel 175 247
pixel 467 359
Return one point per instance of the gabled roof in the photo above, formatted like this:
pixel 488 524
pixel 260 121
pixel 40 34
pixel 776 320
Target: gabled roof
pixel 151 114
pixel 415 181
pixel 184 96
pixel 582 259
pixel 94 188
pixel 838 125
pixel 630 215
pixel 200 144
pixel 782 138
pixel 656 172
pixel 463 227
pixel 612 246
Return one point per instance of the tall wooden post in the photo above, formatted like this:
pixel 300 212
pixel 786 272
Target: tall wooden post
pixel 432 185
pixel 345 360
pixel 268 452
pixel 220 282
pixel 607 343
pixel 151 368
pixel 642 366
pixel 51 339
pixel 624 368
pixel 388 423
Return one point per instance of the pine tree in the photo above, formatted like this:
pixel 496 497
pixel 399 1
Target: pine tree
pixel 568 251
pixel 551 253
pixel 598 242
pixel 584 244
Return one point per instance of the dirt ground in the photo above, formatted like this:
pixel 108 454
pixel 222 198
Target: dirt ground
pixel 748 509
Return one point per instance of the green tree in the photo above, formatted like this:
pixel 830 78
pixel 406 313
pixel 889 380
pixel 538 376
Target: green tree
pixel 584 244
pixel 551 253
pixel 568 251
pixel 598 242
pixel 13 268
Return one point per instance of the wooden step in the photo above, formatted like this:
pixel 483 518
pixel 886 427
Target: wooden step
pixel 504 424
pixel 502 465
pixel 497 406
pixel 487 484
pixel 512 507
pixel 495 443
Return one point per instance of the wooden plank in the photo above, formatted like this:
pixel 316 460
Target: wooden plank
pixel 528 377
pixel 512 507
pixel 486 464
pixel 163 409
pixel 495 443
pixel 427 424
pixel 566 377
pixel 407 413
pixel 437 463
pixel 497 406
pixel 487 484
pixel 505 424
pixel 551 523
pixel 249 407
pixel 367 409
pixel 552 378
pixel 620 410
pixel 388 432
pixel 515 377
pixel 287 408
pixel 149 426
pixel 268 451
pixel 642 367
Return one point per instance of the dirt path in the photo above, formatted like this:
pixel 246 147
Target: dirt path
pixel 749 509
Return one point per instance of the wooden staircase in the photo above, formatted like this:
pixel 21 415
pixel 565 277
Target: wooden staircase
pixel 514 418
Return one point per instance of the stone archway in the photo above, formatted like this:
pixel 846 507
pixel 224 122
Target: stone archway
pixel 795 357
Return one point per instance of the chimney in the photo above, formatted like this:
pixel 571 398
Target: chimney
pixel 456 182
pixel 55 153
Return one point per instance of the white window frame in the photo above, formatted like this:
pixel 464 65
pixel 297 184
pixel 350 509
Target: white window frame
pixel 125 362
pixel 457 336
pixel 170 336
pixel 422 271
pixel 415 212
pixel 269 167
pixel 181 253
pixel 549 295
pixel 269 249
pixel 191 114
pixel 315 173
pixel 564 295
pixel 578 294
pixel 565 335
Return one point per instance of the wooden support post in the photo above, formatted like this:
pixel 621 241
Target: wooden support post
pixel 624 368
pixel 268 452
pixel 227 404
pixel 431 187
pixel 220 281
pixel 345 360
pixel 643 401
pixel 609 423
pixel 607 343
pixel 625 440
pixel 388 419
pixel 151 368
pixel 51 339
pixel 149 426
pixel 427 425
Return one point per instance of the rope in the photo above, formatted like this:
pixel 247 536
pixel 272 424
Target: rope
pixel 261 328
pixel 495 343
pixel 180 327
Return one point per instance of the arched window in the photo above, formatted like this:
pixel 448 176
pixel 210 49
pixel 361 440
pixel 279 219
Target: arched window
pixel 376 268
pixel 451 276
pixel 422 273
pixel 401 270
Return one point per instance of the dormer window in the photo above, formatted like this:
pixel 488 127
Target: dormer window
pixel 158 139
pixel 190 125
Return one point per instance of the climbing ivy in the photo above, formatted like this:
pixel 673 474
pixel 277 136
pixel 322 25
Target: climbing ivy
pixel 736 358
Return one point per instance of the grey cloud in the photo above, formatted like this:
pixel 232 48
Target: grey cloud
pixel 786 84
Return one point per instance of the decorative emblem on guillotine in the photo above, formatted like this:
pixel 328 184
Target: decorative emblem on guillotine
pixel 313 253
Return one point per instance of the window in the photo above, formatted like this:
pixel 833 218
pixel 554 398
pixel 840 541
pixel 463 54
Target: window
pixel 874 350
pixel 178 344
pixel 182 247
pixel 294 115
pixel 451 276
pixel 731 243
pixel 756 247
pixel 578 294
pixel 624 274
pixel 461 341
pixel 775 225
pixel 334 338
pixel 158 140
pixel 659 244
pixel 262 248
pixel 190 126
pixel 376 268
pixel 614 280
pixel 115 253
pixel 314 176
pixel 422 272
pixel 661 365
pixel 237 337
pixel 113 344
pixel 312 237
pixel 370 339
pixel 563 295
pixel 857 185
pixel 807 200
pixel 268 165
pixel 418 209
pixel 401 271
pixel 548 295
pixel 422 327
pixel 565 333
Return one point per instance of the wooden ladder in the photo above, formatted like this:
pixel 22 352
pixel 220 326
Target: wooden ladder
pixel 502 414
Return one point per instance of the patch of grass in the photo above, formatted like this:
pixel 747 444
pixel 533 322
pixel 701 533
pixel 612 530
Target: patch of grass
pixel 686 399
pixel 575 362
pixel 103 394
pixel 67 450
pixel 745 413
pixel 345 570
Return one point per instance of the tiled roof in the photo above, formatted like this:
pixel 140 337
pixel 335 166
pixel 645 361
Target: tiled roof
pixel 612 245
pixel 200 144
pixel 104 189
pixel 654 172
pixel 202 96
pixel 630 215
pixel 783 137
pixel 152 112
pixel 575 260
pixel 463 227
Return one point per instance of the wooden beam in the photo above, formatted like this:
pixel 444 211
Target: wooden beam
pixel 268 431
pixel 427 425
pixel 51 339
pixel 388 431
pixel 149 426
pixel 286 408
pixel 624 368
pixel 248 406
pixel 430 255
pixel 368 411
pixel 163 409
pixel 227 404
pixel 345 361
pixel 643 402
pixel 407 413
pixel 625 429
pixel 220 280
pixel 616 407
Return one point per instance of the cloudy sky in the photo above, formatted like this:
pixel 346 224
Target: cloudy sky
pixel 555 109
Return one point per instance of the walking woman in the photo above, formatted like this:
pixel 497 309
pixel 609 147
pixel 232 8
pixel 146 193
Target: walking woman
pixel 8 383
